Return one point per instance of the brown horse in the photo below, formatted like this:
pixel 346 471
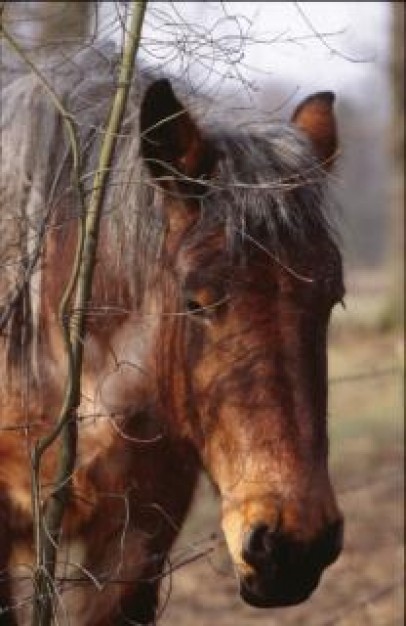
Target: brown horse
pixel 206 346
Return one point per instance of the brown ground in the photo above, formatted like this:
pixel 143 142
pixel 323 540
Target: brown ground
pixel 364 588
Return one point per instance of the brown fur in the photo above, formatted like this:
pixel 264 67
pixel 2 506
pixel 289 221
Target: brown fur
pixel 222 364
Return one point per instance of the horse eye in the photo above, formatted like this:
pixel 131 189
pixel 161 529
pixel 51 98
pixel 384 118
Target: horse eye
pixel 194 307
pixel 204 303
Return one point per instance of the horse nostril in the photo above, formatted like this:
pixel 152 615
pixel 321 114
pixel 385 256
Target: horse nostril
pixel 258 545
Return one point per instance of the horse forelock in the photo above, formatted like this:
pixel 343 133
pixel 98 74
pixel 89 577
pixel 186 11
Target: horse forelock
pixel 268 186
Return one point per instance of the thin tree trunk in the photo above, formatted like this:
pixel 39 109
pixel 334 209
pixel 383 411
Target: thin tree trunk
pixel 396 305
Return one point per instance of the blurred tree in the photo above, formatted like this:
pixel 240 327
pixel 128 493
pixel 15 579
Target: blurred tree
pixel 37 25
pixel 64 19
pixel 396 307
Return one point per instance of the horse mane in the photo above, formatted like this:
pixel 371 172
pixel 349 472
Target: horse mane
pixel 263 180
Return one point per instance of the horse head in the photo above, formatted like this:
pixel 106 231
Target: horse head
pixel 252 273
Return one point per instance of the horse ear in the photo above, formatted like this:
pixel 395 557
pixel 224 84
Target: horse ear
pixel 171 142
pixel 315 117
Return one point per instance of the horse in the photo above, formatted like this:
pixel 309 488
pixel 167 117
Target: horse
pixel 205 349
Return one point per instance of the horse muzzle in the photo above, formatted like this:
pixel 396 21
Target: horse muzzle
pixel 283 571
